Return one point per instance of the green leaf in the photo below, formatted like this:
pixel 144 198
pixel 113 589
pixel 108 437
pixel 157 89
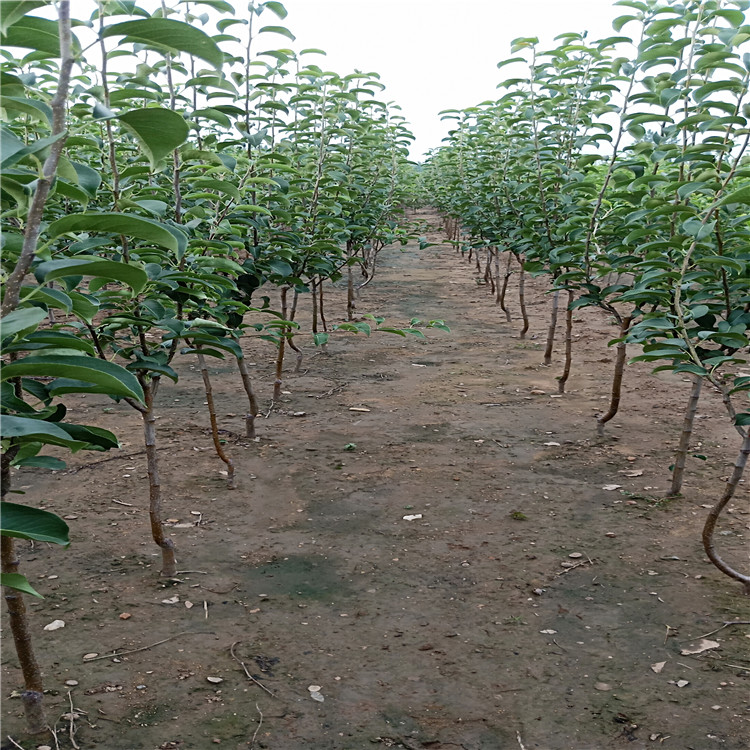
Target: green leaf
pixel 160 131
pixel 151 364
pixel 25 429
pixel 116 379
pixel 14 149
pixel 276 8
pixel 738 196
pixel 219 186
pixel 742 420
pixel 90 265
pixel 279 30
pixel 32 32
pixel 21 321
pixel 13 10
pixel 19 583
pixel 42 462
pixel 25 522
pixel 169 35
pixel 47 296
pixel 121 223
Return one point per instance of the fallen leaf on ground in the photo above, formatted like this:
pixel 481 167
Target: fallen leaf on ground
pixel 658 666
pixel 55 625
pixel 611 487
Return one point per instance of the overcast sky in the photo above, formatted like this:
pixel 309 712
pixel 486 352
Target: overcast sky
pixel 434 54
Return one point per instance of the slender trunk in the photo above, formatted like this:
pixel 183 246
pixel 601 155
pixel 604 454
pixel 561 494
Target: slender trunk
pixel 563 379
pixel 476 261
pixel 169 563
pixel 293 346
pixel 33 224
pixel 496 258
pixel 314 290
pixel 501 298
pixel 320 307
pixel 614 403
pixel 687 432
pixel 32 696
pixel 349 293
pixel 488 277
pixel 252 401
pixel 218 447
pixel 522 300
pixel 713 516
pixel 552 327
pixel 282 347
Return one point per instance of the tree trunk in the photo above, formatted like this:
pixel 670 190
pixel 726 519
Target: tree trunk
pixel 169 563
pixel 250 415
pixel 552 326
pixel 522 300
pixel 282 343
pixel 713 516
pixel 218 447
pixel 349 283
pixel 33 694
pixel 614 403
pixel 320 307
pixel 563 379
pixel 687 432
pixel 501 298
pixel 292 345
pixel 313 286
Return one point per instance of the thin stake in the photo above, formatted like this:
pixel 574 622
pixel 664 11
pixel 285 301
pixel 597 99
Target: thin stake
pixel 725 625
pixel 146 648
pixel 72 724
pixel 260 724
pixel 247 673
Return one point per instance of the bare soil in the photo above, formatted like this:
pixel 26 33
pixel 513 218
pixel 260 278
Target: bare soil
pixel 523 609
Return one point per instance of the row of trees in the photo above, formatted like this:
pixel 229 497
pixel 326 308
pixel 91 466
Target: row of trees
pixel 619 169
pixel 160 165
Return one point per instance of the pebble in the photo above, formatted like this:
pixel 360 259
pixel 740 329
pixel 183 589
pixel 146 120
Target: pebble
pixel 603 686
pixel 71 683
pixel 90 656
pixel 214 680
pixel 575 555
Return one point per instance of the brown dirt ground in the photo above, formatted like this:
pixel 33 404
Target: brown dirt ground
pixel 423 633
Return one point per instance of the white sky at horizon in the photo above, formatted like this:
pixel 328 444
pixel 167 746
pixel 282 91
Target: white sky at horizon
pixel 434 54
pixel 431 55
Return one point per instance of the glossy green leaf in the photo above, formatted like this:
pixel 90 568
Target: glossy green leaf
pixel 25 429
pixel 14 10
pixel 116 379
pixel 21 321
pixel 20 583
pixel 159 131
pixel 89 265
pixel 738 196
pixel 25 522
pixel 121 223
pixel 171 36
pixel 278 30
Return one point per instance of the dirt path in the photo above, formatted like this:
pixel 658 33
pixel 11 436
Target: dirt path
pixel 523 609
